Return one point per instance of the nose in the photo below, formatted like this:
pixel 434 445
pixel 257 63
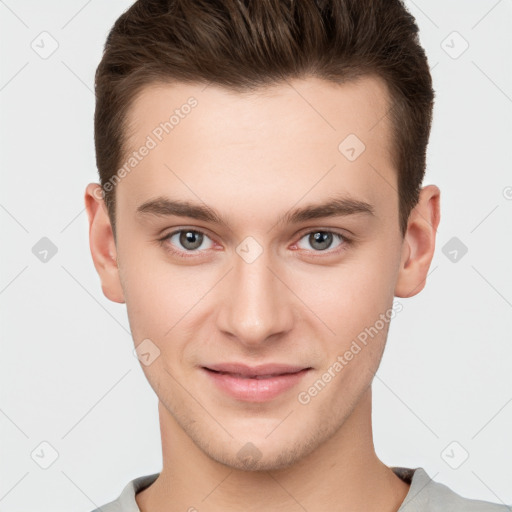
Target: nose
pixel 257 306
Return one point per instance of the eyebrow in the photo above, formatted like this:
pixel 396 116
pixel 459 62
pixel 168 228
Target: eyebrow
pixel 334 207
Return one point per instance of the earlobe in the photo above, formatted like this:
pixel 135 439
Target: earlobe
pixel 419 243
pixel 102 243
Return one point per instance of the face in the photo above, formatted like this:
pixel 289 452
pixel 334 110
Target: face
pixel 258 250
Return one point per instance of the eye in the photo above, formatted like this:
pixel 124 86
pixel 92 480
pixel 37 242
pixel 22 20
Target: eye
pixel 188 240
pixel 321 240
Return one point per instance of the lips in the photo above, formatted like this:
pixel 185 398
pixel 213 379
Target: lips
pixel 255 383
pixel 261 371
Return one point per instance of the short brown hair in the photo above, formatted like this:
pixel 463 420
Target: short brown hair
pixel 244 45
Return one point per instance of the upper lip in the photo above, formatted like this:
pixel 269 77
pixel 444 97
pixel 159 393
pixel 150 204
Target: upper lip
pixel 253 371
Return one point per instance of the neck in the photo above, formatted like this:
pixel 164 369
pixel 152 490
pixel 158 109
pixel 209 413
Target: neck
pixel 343 473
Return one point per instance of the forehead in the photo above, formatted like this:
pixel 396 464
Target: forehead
pixel 358 105
pixel 279 143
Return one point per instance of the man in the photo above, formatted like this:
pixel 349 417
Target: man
pixel 260 207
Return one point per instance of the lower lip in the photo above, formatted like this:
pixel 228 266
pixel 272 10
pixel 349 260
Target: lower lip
pixel 255 390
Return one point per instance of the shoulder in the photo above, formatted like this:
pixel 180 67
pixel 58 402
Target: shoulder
pixel 427 495
pixel 126 500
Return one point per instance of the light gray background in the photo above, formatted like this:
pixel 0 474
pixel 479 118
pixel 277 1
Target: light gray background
pixel 68 376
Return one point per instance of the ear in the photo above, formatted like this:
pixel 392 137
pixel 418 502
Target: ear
pixel 419 243
pixel 102 243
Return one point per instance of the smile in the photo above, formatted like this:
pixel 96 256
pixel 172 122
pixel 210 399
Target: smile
pixel 260 384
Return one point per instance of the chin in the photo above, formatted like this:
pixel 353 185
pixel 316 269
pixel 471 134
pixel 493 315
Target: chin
pixel 261 456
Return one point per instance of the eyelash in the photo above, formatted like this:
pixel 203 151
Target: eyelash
pixel 345 242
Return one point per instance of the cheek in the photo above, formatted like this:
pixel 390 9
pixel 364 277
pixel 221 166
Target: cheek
pixel 350 297
pixel 160 297
pixel 147 292
pixel 358 308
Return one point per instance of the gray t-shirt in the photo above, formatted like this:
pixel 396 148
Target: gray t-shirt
pixel 425 495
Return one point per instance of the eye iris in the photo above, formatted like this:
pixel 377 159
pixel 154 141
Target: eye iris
pixel 321 237
pixel 188 237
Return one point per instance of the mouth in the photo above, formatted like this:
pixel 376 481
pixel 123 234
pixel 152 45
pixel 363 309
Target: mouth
pixel 241 376
pixel 254 384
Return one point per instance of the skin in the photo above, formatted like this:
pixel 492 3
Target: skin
pixel 253 158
